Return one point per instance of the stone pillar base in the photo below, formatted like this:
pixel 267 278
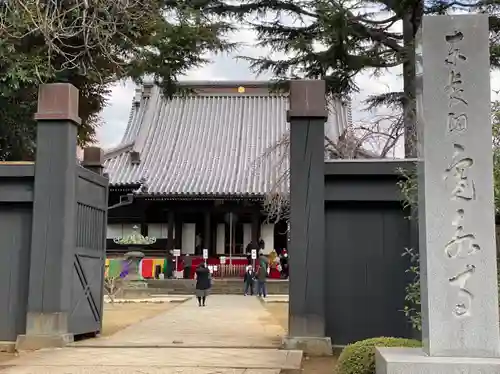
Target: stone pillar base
pixel 34 342
pixel 136 283
pixel 7 346
pixel 415 361
pixel 310 345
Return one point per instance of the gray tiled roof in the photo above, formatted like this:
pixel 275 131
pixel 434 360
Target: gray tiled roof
pixel 211 143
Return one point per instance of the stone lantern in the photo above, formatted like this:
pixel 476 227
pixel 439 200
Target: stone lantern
pixel 135 242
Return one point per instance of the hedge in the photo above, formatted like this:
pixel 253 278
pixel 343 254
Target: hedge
pixel 359 357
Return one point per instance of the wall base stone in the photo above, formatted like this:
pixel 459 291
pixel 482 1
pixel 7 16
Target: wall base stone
pixel 415 361
pixel 7 346
pixel 311 346
pixel 34 342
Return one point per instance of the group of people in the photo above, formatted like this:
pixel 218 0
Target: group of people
pixel 204 281
pixel 258 275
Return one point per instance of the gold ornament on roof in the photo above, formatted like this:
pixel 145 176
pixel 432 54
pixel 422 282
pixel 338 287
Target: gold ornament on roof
pixel 241 89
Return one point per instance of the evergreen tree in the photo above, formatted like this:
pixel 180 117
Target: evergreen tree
pixel 93 44
pixel 336 40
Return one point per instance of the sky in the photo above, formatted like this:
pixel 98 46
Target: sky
pixel 227 67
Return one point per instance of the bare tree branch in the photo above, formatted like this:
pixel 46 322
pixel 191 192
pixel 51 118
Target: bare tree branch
pixel 376 138
pixel 76 30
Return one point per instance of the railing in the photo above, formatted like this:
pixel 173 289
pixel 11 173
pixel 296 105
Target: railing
pixel 228 271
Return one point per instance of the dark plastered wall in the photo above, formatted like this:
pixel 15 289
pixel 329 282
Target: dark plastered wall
pixel 366 234
pixel 16 197
pixel 84 272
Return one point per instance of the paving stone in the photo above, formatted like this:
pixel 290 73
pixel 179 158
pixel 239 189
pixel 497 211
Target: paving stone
pixel 131 370
pixel 276 299
pixel 226 321
pixel 166 357
pixel 221 338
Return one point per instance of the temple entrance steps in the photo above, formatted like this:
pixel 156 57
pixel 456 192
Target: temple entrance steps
pixel 219 286
pixel 233 334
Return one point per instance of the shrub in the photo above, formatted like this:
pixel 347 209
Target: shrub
pixel 359 357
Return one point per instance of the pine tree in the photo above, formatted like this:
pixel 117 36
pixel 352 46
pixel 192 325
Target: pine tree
pixel 336 40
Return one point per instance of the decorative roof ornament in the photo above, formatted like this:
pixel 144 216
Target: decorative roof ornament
pixel 135 239
pixel 143 187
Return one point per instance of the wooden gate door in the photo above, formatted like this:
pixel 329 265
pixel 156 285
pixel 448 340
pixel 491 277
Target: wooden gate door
pixel 90 253
pixel 366 273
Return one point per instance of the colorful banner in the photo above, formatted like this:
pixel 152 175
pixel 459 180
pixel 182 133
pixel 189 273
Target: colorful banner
pixel 119 267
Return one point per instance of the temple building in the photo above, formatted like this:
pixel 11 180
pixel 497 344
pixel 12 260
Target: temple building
pixel 193 171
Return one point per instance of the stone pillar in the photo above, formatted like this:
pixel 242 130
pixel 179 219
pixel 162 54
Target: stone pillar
pixel 460 319
pixel 93 159
pixel 54 219
pixel 307 116
pixel 207 229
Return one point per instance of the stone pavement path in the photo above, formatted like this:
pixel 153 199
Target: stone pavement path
pixel 227 321
pixel 231 335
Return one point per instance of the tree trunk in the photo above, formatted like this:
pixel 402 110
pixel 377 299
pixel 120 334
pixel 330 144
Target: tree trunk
pixel 411 23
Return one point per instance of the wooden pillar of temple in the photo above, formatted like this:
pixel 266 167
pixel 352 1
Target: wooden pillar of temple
pixel 178 232
pixel 207 230
pixel 255 225
pixel 143 214
pixel 170 230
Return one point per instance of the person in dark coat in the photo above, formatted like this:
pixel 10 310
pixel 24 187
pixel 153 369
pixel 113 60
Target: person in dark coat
pixel 284 264
pixel 262 244
pixel 169 271
pixel 249 279
pixel 262 275
pixel 188 262
pixel 203 283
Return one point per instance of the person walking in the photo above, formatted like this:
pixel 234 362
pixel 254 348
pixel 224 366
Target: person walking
pixel 203 283
pixel 262 275
pixel 249 279
pixel 284 265
pixel 169 265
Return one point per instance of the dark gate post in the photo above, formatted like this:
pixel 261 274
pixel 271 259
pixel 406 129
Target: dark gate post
pixel 307 116
pixel 93 159
pixel 54 219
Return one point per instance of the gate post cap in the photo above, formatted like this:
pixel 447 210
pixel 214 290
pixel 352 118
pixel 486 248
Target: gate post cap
pixel 58 102
pixel 93 156
pixel 307 99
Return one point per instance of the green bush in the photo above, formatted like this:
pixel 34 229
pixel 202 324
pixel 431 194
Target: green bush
pixel 359 357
